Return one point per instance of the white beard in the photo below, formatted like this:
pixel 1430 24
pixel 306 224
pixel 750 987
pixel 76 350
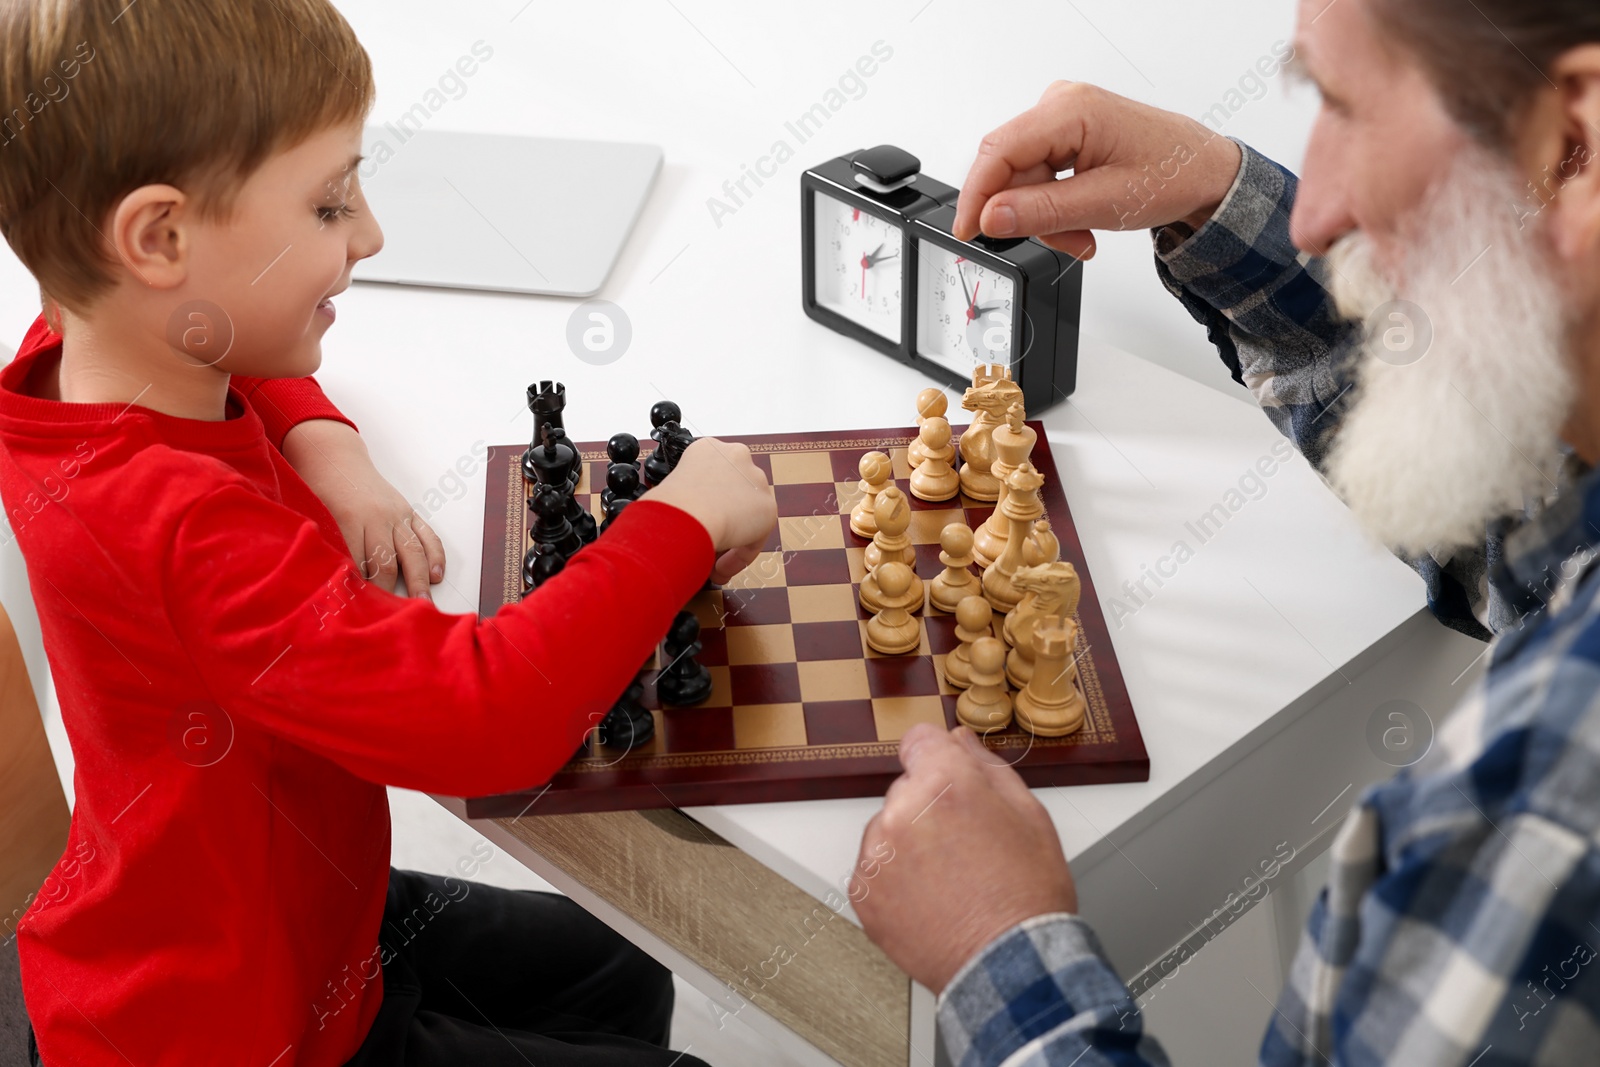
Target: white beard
pixel 1435 447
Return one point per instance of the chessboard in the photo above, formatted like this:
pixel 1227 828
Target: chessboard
pixel 800 707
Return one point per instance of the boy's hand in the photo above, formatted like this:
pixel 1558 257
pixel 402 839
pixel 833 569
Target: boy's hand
pixel 385 535
pixel 718 485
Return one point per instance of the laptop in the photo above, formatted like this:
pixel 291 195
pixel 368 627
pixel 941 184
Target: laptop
pixel 501 213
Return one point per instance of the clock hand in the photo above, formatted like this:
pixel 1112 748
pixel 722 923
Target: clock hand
pixel 972 312
pixel 964 290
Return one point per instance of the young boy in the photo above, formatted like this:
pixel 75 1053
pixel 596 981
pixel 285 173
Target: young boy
pixel 233 903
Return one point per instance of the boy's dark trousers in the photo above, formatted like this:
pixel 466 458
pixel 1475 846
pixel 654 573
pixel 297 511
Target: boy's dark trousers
pixel 498 976
pixel 491 977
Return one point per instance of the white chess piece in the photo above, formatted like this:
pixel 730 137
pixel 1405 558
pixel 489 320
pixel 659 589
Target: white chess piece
pixel 957 581
pixel 931 403
pixel 935 479
pixel 877 474
pixel 986 705
pixel 1051 704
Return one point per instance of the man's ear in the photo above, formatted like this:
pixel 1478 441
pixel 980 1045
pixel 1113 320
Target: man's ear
pixel 1575 227
pixel 149 234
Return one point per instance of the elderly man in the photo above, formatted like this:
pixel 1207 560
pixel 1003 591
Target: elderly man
pixel 1451 192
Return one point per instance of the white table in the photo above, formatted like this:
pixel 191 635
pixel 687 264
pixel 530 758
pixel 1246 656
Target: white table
pixel 1253 669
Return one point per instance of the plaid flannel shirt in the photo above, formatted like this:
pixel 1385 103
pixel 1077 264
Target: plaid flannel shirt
pixel 1461 919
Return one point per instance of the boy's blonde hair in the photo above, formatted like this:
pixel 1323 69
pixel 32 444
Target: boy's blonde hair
pixel 104 96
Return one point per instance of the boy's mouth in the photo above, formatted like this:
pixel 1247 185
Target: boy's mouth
pixel 326 307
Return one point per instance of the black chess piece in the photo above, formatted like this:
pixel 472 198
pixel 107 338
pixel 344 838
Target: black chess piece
pixel 675 440
pixel 613 509
pixel 661 413
pixel 623 448
pixel 627 725
pixel 622 481
pixel 550 525
pixel 684 680
pixel 549 460
pixel 541 564
pixel 546 400
pixel 671 442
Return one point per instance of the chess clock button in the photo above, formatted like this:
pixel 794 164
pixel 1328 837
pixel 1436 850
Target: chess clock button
pixel 885 168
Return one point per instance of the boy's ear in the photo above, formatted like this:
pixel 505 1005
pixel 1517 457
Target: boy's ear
pixel 149 234
pixel 1576 227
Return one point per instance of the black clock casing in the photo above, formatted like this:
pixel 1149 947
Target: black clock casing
pixel 1048 284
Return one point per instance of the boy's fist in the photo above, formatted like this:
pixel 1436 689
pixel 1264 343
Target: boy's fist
pixel 717 483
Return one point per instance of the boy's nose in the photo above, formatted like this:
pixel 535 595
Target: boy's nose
pixel 367 240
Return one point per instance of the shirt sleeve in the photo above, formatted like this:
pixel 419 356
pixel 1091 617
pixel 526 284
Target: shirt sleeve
pixel 284 403
pixel 287 636
pixel 1267 308
pixel 1043 994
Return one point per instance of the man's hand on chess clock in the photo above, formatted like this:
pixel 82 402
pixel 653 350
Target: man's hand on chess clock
pixel 386 536
pixel 1133 167
pixel 717 484
pixel 960 853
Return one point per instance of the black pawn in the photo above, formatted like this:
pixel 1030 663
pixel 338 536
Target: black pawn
pixel 661 413
pixel 613 509
pixel 623 448
pixel 622 482
pixel 541 564
pixel 684 680
pixel 550 525
pixel 627 725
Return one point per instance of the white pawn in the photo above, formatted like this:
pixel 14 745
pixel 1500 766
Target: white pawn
pixel 877 474
pixel 931 403
pixel 892 630
pixel 974 619
pixel 986 705
pixel 1042 545
pixel 957 582
pixel 935 479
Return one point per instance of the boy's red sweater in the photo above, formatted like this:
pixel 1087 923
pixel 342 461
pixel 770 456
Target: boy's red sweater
pixel 236 698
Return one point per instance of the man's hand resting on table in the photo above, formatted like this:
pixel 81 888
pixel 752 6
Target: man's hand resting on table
pixel 717 484
pixel 386 537
pixel 963 852
pixel 1114 146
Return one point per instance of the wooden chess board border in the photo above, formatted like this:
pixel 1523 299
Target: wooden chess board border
pixel 1111 751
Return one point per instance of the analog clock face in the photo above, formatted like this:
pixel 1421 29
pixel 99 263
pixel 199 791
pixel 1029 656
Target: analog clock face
pixel 964 310
pixel 858 265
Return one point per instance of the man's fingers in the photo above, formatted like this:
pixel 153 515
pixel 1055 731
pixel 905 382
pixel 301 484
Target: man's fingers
pixel 1002 776
pixel 1047 135
pixel 1079 244
pixel 1096 199
pixel 413 561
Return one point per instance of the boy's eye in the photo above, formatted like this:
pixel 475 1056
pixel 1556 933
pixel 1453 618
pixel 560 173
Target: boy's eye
pixel 339 211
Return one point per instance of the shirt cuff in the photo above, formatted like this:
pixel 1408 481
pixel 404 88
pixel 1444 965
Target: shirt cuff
pixel 284 403
pixel 1244 244
pixel 1024 984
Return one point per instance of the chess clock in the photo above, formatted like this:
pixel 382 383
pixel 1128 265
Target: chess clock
pixel 881 266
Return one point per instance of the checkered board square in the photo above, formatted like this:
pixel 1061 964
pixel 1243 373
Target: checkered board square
pixel 800 707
